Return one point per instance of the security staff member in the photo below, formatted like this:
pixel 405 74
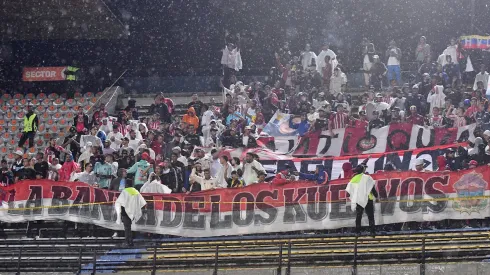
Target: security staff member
pixel 31 123
pixel 362 191
pixel 129 208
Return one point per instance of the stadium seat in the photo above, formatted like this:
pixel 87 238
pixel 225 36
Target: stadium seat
pixel 47 136
pixel 50 122
pixel 40 142
pixel 69 115
pixel 99 94
pixel 53 96
pixel 54 130
pixel 34 102
pixel 93 100
pixel 2 122
pixel 52 109
pixel 6 136
pixel 18 96
pixel 18 135
pixel 12 143
pixel 22 102
pixel 12 102
pixel 64 109
pixel 32 151
pixel 5 108
pixel 62 122
pixel 13 128
pixel 89 94
pixel 76 107
pixel 78 95
pixel 45 116
pixel 10 157
pixel 40 109
pixel 9 115
pixel 41 128
pixel 17 108
pixel 4 150
pixel 82 101
pixel 57 115
pixel 6 97
pixel 30 96
pixel 87 108
pixel 13 122
pixel 67 128
pixel 70 102
pixel 20 115
pixel 46 102
pixel 2 128
pixel 58 102
pixel 42 96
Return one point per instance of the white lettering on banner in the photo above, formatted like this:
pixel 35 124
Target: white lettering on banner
pixel 260 208
pixel 39 74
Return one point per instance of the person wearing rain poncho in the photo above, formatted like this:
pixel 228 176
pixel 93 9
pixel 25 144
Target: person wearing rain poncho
pixel 106 125
pixel 320 60
pixel 362 192
pixel 129 206
pixel 155 186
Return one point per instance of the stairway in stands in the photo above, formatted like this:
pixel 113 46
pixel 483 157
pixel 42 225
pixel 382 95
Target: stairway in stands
pixel 178 255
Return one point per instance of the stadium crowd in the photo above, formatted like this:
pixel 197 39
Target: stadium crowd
pixel 109 150
pixel 164 152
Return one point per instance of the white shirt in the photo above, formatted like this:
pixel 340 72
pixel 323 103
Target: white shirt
pixel 452 51
pixel 232 59
pixel 116 144
pixel 483 77
pixel 306 59
pixel 393 60
pixel 221 177
pixel 215 167
pixel 336 83
pixel 249 174
pixel 206 118
pixel 206 184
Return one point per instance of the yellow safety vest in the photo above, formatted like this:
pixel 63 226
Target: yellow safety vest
pixel 29 123
pixel 356 179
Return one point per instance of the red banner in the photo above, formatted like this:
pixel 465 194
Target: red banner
pixel 43 74
pixel 259 208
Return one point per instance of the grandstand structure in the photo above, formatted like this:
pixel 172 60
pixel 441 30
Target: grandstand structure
pixel 424 252
pixel 55 113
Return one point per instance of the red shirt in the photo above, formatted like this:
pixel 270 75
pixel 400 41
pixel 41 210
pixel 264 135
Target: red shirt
pixel 157 147
pixel 416 119
pixel 339 120
pixel 361 124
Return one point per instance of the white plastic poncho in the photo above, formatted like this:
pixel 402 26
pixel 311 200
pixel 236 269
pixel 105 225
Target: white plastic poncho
pixel 132 201
pixel 232 59
pixel 155 187
pixel 359 192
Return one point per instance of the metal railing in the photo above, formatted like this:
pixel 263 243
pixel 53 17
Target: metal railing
pixel 268 252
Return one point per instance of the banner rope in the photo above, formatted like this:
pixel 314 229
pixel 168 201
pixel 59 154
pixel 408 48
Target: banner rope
pixel 240 202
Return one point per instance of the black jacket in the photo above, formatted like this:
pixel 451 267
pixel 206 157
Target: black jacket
pixel 116 182
pixel 171 180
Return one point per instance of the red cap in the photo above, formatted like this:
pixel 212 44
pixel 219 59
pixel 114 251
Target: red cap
pixel 145 156
pixel 473 162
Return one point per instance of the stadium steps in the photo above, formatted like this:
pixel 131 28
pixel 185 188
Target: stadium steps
pixel 63 254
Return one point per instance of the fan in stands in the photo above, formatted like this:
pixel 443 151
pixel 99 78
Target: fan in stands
pixel 183 139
